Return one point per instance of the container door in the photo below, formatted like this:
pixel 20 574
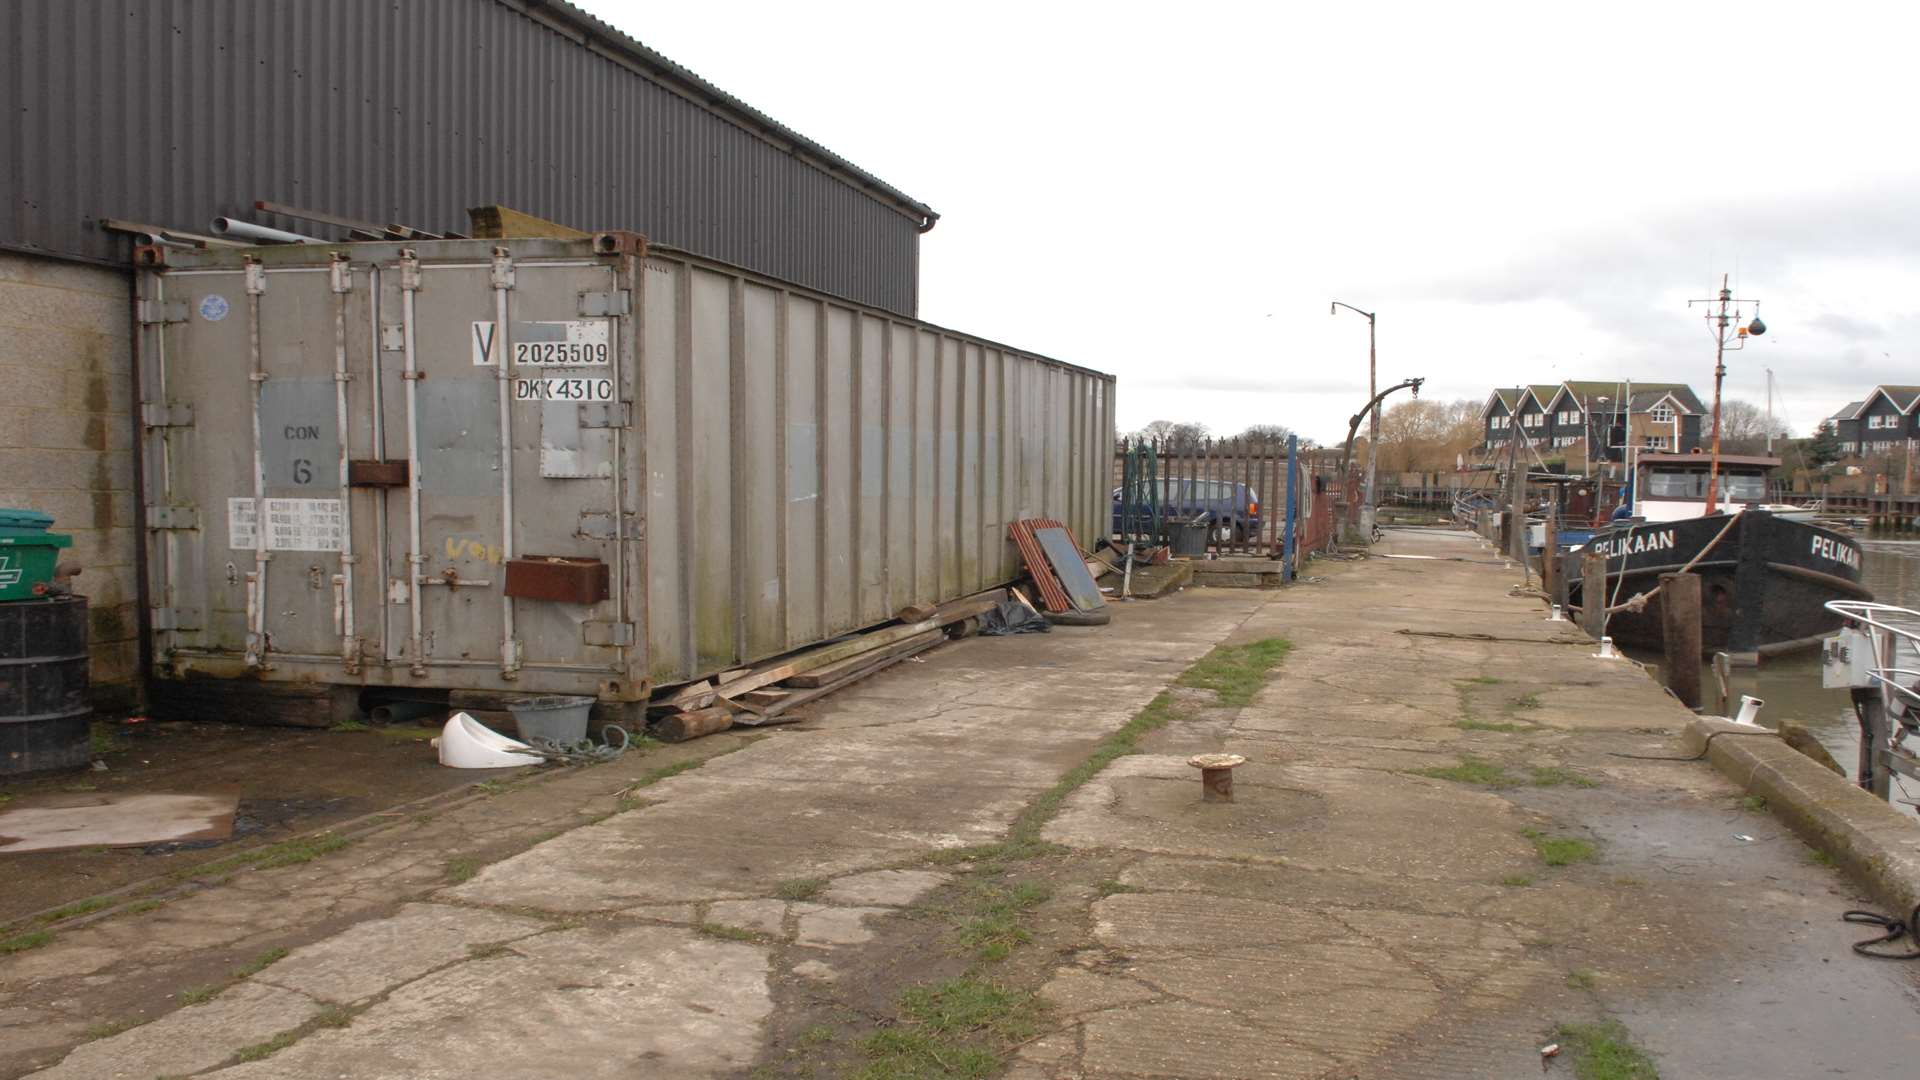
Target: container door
pixel 253 409
pixel 502 394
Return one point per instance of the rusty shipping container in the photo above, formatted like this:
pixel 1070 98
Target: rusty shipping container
pixel 560 466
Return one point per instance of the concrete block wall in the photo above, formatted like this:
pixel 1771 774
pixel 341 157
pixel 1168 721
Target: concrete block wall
pixel 66 439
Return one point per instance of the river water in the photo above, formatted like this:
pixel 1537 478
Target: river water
pixel 1791 685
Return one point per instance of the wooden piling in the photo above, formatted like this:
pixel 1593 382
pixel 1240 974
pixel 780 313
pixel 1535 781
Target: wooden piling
pixel 1593 594
pixel 1680 634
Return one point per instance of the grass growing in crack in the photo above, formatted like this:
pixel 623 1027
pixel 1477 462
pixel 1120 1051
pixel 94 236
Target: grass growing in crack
pixel 199 995
pixel 1582 979
pixel 345 726
pixel 1561 850
pixel 261 963
pixel 301 849
pixel 1115 888
pixel 1822 858
pixel 1524 702
pixel 264 1050
pixel 727 933
pixel 950 1032
pixel 1555 775
pixel 1517 881
pixel 462 868
pixel 334 1016
pixel 1482 680
pixel 994 929
pixel 800 888
pixel 1236 672
pixel 1472 724
pixel 32 939
pixel 1754 803
pixel 106 1029
pixel 74 910
pixel 1470 770
pixel 491 787
pixel 1604 1051
pixel 486 951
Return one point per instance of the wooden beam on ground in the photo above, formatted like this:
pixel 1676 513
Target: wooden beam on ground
pixel 828 673
pixel 680 727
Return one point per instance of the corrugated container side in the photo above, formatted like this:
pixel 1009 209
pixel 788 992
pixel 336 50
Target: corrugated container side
pixel 817 466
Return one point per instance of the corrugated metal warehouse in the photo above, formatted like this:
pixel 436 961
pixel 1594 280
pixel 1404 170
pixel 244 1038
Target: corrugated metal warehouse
pixel 170 114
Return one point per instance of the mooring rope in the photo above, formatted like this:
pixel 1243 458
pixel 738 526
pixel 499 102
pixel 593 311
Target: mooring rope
pixel 1638 601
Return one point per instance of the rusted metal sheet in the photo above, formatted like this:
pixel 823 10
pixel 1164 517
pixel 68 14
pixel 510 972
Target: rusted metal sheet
pixel 756 467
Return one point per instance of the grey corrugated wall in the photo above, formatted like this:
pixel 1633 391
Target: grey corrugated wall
pixel 170 112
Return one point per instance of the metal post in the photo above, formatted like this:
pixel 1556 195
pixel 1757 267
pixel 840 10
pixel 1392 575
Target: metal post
pixel 1680 634
pixel 1289 550
pixel 1367 509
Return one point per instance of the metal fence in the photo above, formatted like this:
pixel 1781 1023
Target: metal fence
pixel 1236 489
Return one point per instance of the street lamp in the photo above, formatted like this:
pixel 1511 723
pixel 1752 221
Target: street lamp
pixel 1373 423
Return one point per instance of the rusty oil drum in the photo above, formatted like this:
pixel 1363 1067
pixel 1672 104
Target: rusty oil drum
pixel 45 702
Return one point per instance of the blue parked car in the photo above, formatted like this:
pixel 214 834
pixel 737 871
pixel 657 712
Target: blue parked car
pixel 1232 510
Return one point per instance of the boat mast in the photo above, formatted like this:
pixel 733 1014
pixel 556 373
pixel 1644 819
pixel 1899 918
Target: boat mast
pixel 1719 322
pixel 1769 412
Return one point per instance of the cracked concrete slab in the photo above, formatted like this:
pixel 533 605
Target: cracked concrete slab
pixel 381 954
pixel 588 1003
pixel 884 888
pixel 192 1039
pixel 760 916
pixel 823 927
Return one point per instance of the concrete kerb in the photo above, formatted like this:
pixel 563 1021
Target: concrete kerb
pixel 1874 843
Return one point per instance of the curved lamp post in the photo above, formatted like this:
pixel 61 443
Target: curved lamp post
pixel 1373 428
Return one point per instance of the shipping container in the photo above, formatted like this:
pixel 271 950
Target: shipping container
pixel 568 466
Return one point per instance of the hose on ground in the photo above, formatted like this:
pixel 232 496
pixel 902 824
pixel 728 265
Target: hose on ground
pixel 1895 930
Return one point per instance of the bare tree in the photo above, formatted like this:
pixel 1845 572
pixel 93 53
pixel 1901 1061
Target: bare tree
pixel 1744 426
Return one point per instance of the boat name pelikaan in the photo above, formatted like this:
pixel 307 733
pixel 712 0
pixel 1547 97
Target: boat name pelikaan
pixel 1615 546
pixel 1837 551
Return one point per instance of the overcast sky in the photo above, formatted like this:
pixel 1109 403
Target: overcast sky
pixel 1523 193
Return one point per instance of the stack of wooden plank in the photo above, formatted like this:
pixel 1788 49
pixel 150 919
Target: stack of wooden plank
pixel 769 692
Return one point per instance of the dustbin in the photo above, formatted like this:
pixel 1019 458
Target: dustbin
pixel 1189 538
pixel 558 718
pixel 27 553
pixel 45 704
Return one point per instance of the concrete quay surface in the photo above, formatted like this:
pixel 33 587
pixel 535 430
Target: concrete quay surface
pixel 1348 915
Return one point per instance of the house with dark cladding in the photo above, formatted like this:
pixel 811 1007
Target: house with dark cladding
pixel 1885 421
pixel 1593 420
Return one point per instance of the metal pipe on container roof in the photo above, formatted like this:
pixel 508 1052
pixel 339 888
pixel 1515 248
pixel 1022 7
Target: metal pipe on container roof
pixel 226 226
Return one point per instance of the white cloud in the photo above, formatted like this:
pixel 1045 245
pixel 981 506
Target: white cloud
pixel 1523 192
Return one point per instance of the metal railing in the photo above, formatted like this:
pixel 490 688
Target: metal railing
pixel 1876 656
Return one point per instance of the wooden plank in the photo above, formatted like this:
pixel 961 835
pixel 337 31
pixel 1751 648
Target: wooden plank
pixel 680 727
pixel 500 222
pixel 695 695
pixel 825 654
pixel 873 666
pixel 825 674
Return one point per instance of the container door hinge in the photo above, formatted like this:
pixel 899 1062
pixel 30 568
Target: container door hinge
pixel 605 305
pixel 598 525
pixel 149 312
pixel 173 517
pixel 612 414
pixel 616 635
pixel 176 618
pixel 157 414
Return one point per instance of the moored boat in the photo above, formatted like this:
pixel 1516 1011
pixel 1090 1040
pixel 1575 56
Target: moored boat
pixel 1765 578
